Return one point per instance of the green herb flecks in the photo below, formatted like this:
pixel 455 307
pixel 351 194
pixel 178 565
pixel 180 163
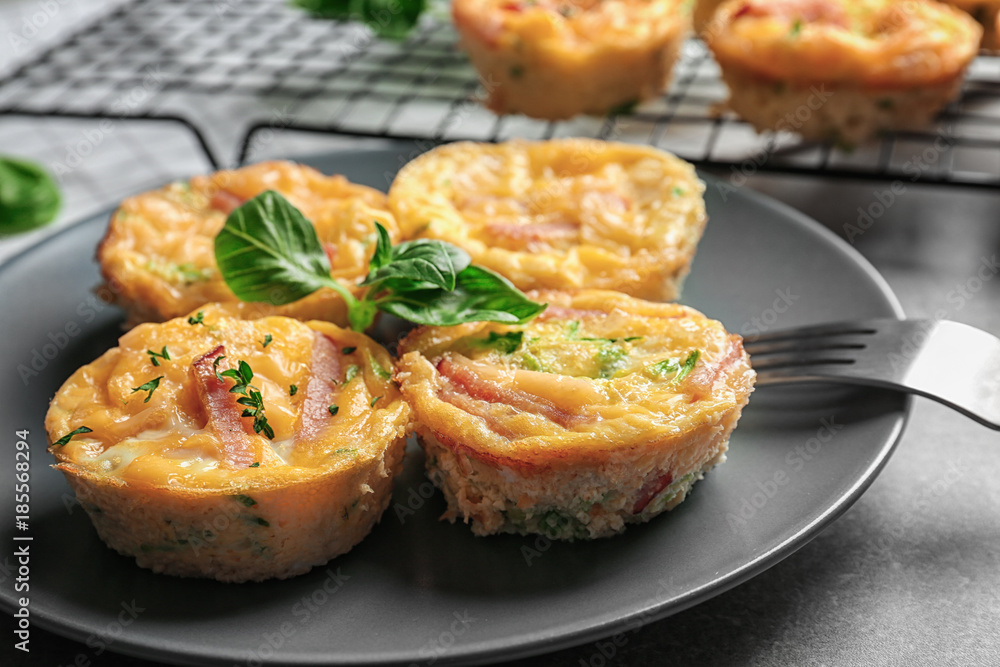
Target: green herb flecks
pixel 268 338
pixel 156 356
pixel 680 369
pixel 374 401
pixel 215 367
pixel 149 387
pixel 532 363
pixel 185 274
pixel 198 318
pixel 505 343
pixel 688 366
pixel 377 368
pixel 268 251
pixel 351 372
pixel 66 438
pixel 255 464
pixel 29 196
pixel 349 350
pixel 293 389
pixel 245 500
pixel 251 398
pixel 610 360
pixel 796 29
pixel 333 409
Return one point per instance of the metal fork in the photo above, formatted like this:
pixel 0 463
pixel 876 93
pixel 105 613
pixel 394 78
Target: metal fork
pixel 949 362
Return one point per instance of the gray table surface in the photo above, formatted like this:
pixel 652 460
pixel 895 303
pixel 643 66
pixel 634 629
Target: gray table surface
pixel 909 576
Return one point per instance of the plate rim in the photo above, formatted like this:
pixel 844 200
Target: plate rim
pixel 548 640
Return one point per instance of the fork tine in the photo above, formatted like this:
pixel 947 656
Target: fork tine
pixel 815 331
pixel 795 345
pixel 800 373
pixel 802 359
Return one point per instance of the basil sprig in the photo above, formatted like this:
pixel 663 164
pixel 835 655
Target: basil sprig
pixel 268 251
pixel 387 18
pixel 29 197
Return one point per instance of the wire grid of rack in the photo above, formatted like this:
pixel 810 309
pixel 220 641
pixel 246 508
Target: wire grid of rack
pixel 233 71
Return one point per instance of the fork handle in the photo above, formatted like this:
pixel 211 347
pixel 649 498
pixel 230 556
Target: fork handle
pixel 937 367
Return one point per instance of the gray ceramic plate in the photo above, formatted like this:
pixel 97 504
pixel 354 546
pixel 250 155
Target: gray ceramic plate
pixel 421 591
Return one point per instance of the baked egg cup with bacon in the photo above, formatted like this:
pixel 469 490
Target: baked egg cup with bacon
pixel 987 13
pixel 554 59
pixel 559 214
pixel 158 255
pixel 701 16
pixel 841 70
pixel 602 411
pixel 232 449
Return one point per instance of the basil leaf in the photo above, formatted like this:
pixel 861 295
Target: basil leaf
pixel 383 249
pixel 29 197
pixel 419 264
pixel 268 251
pixel 387 18
pixel 479 296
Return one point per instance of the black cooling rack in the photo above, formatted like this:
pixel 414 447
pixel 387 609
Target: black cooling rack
pixel 232 71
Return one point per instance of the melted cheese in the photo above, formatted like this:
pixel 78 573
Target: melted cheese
pixel 554 59
pixel 872 43
pixel 561 214
pixel 159 256
pixel 611 378
pixel 169 441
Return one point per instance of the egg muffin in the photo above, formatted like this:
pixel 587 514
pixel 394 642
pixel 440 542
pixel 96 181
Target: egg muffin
pixel 232 449
pixel 603 411
pixel 702 15
pixel 554 59
pixel 987 12
pixel 838 70
pixel 560 214
pixel 158 255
